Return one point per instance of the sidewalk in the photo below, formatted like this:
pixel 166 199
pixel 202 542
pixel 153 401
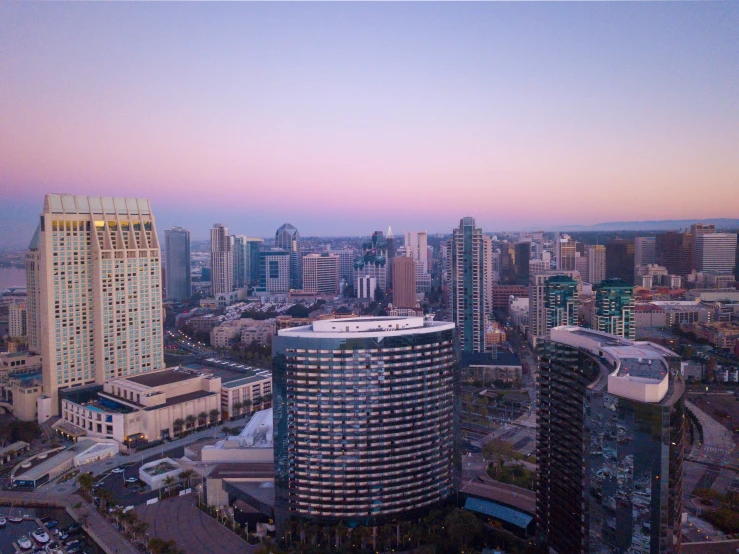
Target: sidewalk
pixel 99 528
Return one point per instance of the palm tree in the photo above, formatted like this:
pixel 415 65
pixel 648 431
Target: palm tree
pixel 267 398
pixel 186 475
pixel 86 481
pixel 237 408
pixel 202 419
pixel 247 405
pixel 189 421
pixel 169 481
pixel 140 528
pixel 178 424
pixel 214 415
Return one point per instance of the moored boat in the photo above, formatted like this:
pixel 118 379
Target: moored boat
pixel 24 543
pixel 40 535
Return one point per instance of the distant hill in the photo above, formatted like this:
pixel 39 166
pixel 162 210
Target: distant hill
pixel 664 225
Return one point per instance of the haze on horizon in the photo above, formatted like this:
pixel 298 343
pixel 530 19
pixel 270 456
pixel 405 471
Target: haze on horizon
pixel 342 118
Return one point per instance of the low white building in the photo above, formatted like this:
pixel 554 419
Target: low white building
pixel 155 473
pixel 254 444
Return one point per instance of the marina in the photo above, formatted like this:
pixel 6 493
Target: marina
pixel 47 530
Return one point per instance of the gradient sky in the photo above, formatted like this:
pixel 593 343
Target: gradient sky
pixel 343 118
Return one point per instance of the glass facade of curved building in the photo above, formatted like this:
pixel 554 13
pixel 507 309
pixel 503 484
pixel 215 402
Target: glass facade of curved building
pixel 364 419
pixel 610 440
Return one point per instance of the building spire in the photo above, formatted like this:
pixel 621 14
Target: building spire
pixel 389 232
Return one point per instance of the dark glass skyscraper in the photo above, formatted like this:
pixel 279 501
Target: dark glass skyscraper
pixel 610 434
pixel 177 244
pixel 620 260
pixel 675 252
pixel 363 415
pixel 288 238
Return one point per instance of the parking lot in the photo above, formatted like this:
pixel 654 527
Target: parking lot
pixel 126 493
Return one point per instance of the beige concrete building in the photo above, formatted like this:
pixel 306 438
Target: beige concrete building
pixel 94 291
pixel 139 409
pixel 253 392
pixel 17 319
pixel 321 274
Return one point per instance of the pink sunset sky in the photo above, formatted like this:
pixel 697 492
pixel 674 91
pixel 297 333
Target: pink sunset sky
pixel 344 118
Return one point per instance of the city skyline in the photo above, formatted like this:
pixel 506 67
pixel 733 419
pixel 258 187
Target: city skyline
pixel 257 114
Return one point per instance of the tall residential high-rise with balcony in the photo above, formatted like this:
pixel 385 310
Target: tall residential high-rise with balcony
pixel 177 263
pixel 553 300
pixel 246 260
pixel 288 238
pixel 609 446
pixel 614 308
pixel 221 260
pixel 95 291
pixel 465 281
pixel 321 274
pixel 363 419
pixel 715 252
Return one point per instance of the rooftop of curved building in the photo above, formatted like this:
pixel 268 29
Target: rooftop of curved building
pixel 367 327
pixel 635 370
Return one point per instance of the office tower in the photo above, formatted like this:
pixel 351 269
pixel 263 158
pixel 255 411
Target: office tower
pixel 551 303
pixel 363 424
pixel 507 264
pixel 537 266
pixel 610 439
pixel 373 260
pixel 715 252
pixel 697 229
pixel 488 272
pixel 17 319
pixel 521 263
pixel 675 252
pixel 275 270
pixel 566 251
pixel 416 247
pixel 467 298
pixel 644 250
pixel 177 263
pixel 581 264
pixel 404 289
pixel 246 260
pixel 321 273
pixel 390 242
pixel 620 260
pixel 221 260
pixel 614 309
pixel 94 273
pixel 288 238
pixel 366 287
pixel 346 263
pixel 736 259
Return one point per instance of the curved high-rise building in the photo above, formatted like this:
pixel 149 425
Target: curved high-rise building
pixel 363 419
pixel 610 439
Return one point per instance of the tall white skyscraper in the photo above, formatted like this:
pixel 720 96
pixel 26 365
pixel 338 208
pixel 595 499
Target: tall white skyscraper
pixel 94 285
pixel 715 252
pixel 221 260
pixel 644 251
pixel 17 320
pixel 287 237
pixel 416 247
pixel 488 272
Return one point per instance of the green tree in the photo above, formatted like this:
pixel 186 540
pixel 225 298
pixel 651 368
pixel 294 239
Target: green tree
pixel 86 482
pixel 186 476
pixel 169 481
pixel 202 419
pixel 237 408
pixel 214 415
pixel 462 527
